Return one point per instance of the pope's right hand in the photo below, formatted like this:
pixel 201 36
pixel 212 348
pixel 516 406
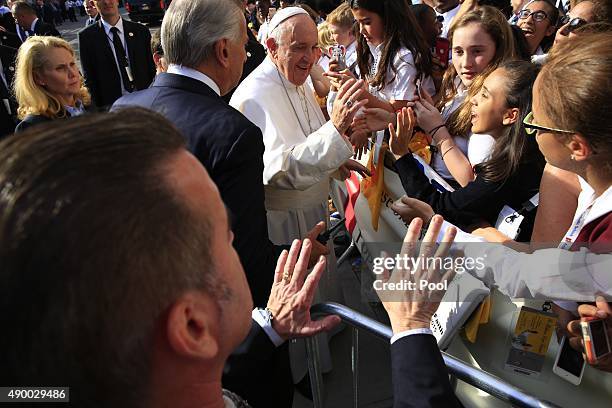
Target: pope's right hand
pixel 347 104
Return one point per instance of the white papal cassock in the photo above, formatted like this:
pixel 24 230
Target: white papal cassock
pixel 301 153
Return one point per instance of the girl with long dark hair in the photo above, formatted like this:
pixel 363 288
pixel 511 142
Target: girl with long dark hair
pixel 511 176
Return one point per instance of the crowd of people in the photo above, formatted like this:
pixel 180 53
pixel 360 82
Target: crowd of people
pixel 159 189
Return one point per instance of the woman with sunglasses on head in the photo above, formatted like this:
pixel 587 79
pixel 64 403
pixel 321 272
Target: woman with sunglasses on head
pixel 511 175
pixel 538 20
pixel 583 13
pixel 560 189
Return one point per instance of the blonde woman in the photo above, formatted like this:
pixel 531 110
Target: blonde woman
pixel 48 84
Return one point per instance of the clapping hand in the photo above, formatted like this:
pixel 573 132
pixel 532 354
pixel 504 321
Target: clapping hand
pixel 293 291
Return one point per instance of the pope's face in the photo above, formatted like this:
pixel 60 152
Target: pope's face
pixel 297 51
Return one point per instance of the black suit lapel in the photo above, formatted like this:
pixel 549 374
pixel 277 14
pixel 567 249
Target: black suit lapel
pixel 130 41
pixel 106 48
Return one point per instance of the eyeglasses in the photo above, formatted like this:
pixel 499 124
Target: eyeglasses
pixel 572 23
pixel 531 127
pixel 537 15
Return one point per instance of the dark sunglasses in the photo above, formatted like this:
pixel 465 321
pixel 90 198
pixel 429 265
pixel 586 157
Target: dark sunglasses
pixel 537 15
pixel 572 23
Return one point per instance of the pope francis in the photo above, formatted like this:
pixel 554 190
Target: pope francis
pixel 302 150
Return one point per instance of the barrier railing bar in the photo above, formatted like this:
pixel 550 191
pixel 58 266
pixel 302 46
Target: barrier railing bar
pixel 355 365
pixel 314 370
pixel 465 372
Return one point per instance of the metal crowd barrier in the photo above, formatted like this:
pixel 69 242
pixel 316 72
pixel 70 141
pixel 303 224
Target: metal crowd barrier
pixel 457 368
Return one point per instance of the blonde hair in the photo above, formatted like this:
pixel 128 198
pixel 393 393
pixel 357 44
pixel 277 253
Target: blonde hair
pixel 493 23
pixel 325 36
pixel 342 16
pixel 33 99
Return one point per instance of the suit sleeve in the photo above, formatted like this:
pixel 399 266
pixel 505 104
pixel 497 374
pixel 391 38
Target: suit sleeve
pixel 239 178
pixel 419 375
pixel 463 206
pixel 89 69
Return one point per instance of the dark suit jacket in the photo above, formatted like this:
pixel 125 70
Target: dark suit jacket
pixel 42 28
pixel 7 119
pixel 31 120
pixel 419 375
pixel 231 148
pixel 45 13
pixel 7 21
pixel 480 200
pixel 98 61
pixel 10 39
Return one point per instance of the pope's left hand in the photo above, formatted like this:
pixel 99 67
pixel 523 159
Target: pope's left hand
pixel 352 165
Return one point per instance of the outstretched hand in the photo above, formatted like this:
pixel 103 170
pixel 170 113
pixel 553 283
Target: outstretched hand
pixel 413 308
pixel 400 139
pixel 293 291
pixel 410 208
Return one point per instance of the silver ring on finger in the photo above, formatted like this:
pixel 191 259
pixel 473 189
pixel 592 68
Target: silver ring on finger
pixel 349 104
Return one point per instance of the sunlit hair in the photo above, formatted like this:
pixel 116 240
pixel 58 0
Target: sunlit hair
pixel 401 29
pixel 495 25
pixel 342 16
pixel 325 36
pixel 602 10
pixel 32 98
pixel 578 73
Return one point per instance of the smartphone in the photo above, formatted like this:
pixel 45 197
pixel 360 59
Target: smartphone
pixel 442 51
pixel 325 236
pixel 569 363
pixel 338 52
pixel 596 342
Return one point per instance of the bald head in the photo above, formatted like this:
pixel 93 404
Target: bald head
pixel 293 47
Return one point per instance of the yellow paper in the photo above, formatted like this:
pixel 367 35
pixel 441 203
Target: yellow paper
pixel 533 330
pixel 372 187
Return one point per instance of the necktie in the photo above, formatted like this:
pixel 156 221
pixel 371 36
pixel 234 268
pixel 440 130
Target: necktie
pixel 22 34
pixel 122 59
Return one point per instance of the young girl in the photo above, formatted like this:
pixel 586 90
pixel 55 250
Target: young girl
pixel 392 53
pixel 481 40
pixel 538 20
pixel 511 176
